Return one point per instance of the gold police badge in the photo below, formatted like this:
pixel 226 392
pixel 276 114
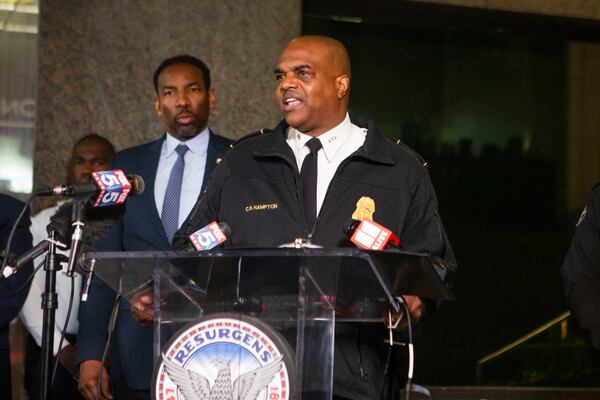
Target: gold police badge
pixel 365 207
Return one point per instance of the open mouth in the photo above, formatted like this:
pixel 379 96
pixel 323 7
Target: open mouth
pixel 290 103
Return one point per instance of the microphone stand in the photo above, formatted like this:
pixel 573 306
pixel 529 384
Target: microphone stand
pixel 49 298
pixel 49 305
pixel 78 222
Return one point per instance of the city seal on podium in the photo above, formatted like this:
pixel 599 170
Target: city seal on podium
pixel 225 357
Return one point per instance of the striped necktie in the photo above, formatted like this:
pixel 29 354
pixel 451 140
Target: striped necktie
pixel 170 209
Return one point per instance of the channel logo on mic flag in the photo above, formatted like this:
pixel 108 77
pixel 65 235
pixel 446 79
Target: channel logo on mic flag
pixel 113 187
pixel 371 236
pixel 208 237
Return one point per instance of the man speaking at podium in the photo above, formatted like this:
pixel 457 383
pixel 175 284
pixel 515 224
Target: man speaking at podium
pixel 305 178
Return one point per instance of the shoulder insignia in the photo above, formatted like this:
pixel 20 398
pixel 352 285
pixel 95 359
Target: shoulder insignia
pixel 249 136
pixel 399 142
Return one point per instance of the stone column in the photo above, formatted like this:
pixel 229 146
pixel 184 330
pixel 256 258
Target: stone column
pixel 97 57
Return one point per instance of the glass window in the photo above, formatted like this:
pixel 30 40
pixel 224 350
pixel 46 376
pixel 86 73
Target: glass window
pixel 18 80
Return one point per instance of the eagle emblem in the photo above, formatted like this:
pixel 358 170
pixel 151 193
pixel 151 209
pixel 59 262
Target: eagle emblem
pixel 195 386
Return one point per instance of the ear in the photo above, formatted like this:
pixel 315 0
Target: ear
pixel 157 107
pixel 212 99
pixel 343 86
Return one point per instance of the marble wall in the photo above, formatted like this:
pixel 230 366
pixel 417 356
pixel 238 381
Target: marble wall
pixel 97 57
pixel 586 9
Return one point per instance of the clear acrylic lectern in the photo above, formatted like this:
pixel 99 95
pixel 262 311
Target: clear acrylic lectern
pixel 229 320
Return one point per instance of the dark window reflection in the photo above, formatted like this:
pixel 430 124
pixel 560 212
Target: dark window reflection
pixel 483 98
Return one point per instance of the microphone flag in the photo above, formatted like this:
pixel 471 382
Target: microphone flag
pixel 208 237
pixel 114 187
pixel 372 236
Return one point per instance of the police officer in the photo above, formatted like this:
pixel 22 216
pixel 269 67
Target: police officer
pixel 311 173
pixel 581 270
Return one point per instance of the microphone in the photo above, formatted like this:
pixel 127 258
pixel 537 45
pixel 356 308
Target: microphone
pixel 62 232
pixel 370 235
pixel 29 255
pixel 210 236
pixel 110 187
pixel 98 222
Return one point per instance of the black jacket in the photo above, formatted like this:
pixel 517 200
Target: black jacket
pixel 11 301
pixel 256 189
pixel 581 270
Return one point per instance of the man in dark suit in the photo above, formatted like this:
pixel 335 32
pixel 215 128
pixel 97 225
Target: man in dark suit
pixel 13 290
pixel 175 170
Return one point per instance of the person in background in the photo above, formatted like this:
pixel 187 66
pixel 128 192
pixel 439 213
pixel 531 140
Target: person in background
pixel 13 290
pixel 175 169
pixel 581 270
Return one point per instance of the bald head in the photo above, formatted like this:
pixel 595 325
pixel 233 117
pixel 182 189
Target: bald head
pixel 332 51
pixel 314 83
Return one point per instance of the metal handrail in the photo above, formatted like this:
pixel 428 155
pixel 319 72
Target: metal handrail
pixel 562 317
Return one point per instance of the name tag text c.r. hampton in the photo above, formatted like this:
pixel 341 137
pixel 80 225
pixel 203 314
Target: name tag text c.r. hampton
pixel 261 207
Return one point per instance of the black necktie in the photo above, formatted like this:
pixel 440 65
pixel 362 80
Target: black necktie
pixel 308 173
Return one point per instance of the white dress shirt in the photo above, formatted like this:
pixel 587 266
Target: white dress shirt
pixel 338 143
pixel 31 314
pixel 193 174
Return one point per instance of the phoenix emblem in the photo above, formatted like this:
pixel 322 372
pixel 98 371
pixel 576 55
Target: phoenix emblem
pixel 195 386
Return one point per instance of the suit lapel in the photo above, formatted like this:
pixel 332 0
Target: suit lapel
pixel 212 155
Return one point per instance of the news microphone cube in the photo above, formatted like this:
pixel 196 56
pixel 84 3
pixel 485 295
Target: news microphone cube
pixel 371 236
pixel 113 187
pixel 208 237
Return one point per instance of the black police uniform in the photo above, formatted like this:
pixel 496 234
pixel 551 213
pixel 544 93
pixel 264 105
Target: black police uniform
pixel 581 270
pixel 256 189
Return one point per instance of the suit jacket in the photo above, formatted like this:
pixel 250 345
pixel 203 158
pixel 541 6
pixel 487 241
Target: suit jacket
pixel 140 230
pixel 10 306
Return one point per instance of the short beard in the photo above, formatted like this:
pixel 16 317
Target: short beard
pixel 187 134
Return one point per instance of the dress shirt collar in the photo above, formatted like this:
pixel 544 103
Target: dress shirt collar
pixel 197 145
pixel 331 140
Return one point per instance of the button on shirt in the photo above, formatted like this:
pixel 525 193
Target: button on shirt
pixel 338 143
pixel 193 174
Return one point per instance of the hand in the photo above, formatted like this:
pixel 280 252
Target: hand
pixel 415 309
pixel 88 380
pixel 66 357
pixel 142 307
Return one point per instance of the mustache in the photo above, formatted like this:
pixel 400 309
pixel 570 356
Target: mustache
pixel 184 110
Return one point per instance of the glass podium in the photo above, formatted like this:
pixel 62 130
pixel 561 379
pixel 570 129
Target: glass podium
pixel 260 323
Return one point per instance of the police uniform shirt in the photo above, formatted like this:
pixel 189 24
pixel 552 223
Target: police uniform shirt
pixel 195 163
pixel 338 143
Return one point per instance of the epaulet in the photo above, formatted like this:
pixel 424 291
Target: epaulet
pixel 411 151
pixel 248 136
